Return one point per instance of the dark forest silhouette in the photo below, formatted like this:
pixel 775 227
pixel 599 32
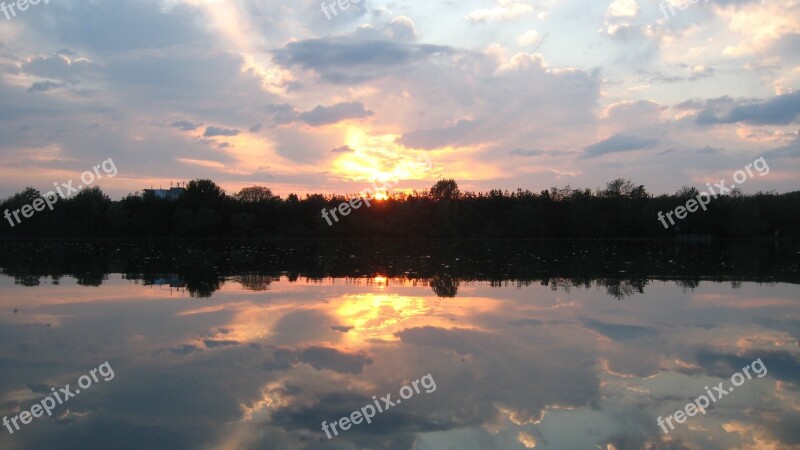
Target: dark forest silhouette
pixel 620 210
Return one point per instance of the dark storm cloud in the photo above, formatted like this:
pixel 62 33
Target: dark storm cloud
pixel 779 110
pixel 326 115
pixel 346 59
pixel 618 143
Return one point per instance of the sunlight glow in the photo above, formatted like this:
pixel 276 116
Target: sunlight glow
pixel 378 157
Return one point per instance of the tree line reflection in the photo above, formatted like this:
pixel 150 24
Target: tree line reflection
pixel 621 268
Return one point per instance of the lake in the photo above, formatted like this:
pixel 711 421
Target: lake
pixel 478 344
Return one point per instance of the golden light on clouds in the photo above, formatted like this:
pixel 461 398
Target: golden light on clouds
pixel 377 317
pixel 527 440
pixel 759 25
pixel 251 153
pixel 379 157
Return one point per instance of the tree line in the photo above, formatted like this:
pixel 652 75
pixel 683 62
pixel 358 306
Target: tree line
pixel 620 210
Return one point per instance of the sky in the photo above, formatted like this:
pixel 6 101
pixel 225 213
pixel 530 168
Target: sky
pixel 496 94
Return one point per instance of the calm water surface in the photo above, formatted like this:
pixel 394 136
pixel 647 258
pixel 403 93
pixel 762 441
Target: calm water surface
pixel 253 345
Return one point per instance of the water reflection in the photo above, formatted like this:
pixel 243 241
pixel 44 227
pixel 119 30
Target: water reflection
pixel 546 357
pixel 622 269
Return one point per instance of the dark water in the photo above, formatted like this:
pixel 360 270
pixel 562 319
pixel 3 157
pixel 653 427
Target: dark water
pixel 504 345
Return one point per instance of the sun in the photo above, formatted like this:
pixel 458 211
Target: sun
pixel 381 195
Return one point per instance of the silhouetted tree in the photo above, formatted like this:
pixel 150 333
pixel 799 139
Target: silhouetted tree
pixel 445 190
pixel 254 194
pixel 203 193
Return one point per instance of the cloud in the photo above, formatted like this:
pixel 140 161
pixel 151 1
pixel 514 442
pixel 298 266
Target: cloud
pixel 689 105
pixel 136 25
pixel 280 114
pixel 402 29
pixel 781 365
pixel 326 115
pixel 708 150
pixel 617 143
pixel 332 359
pixel 779 110
pixel 623 8
pixel 184 349
pixel 505 10
pixel 212 343
pixel 342 149
pixel 634 113
pixel 320 358
pixel 531 38
pixel 59 66
pixel 619 332
pixel 434 138
pixel 184 125
pixel 790 151
pixel 347 59
pixel 44 86
pixel 215 131
pixel 526 153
